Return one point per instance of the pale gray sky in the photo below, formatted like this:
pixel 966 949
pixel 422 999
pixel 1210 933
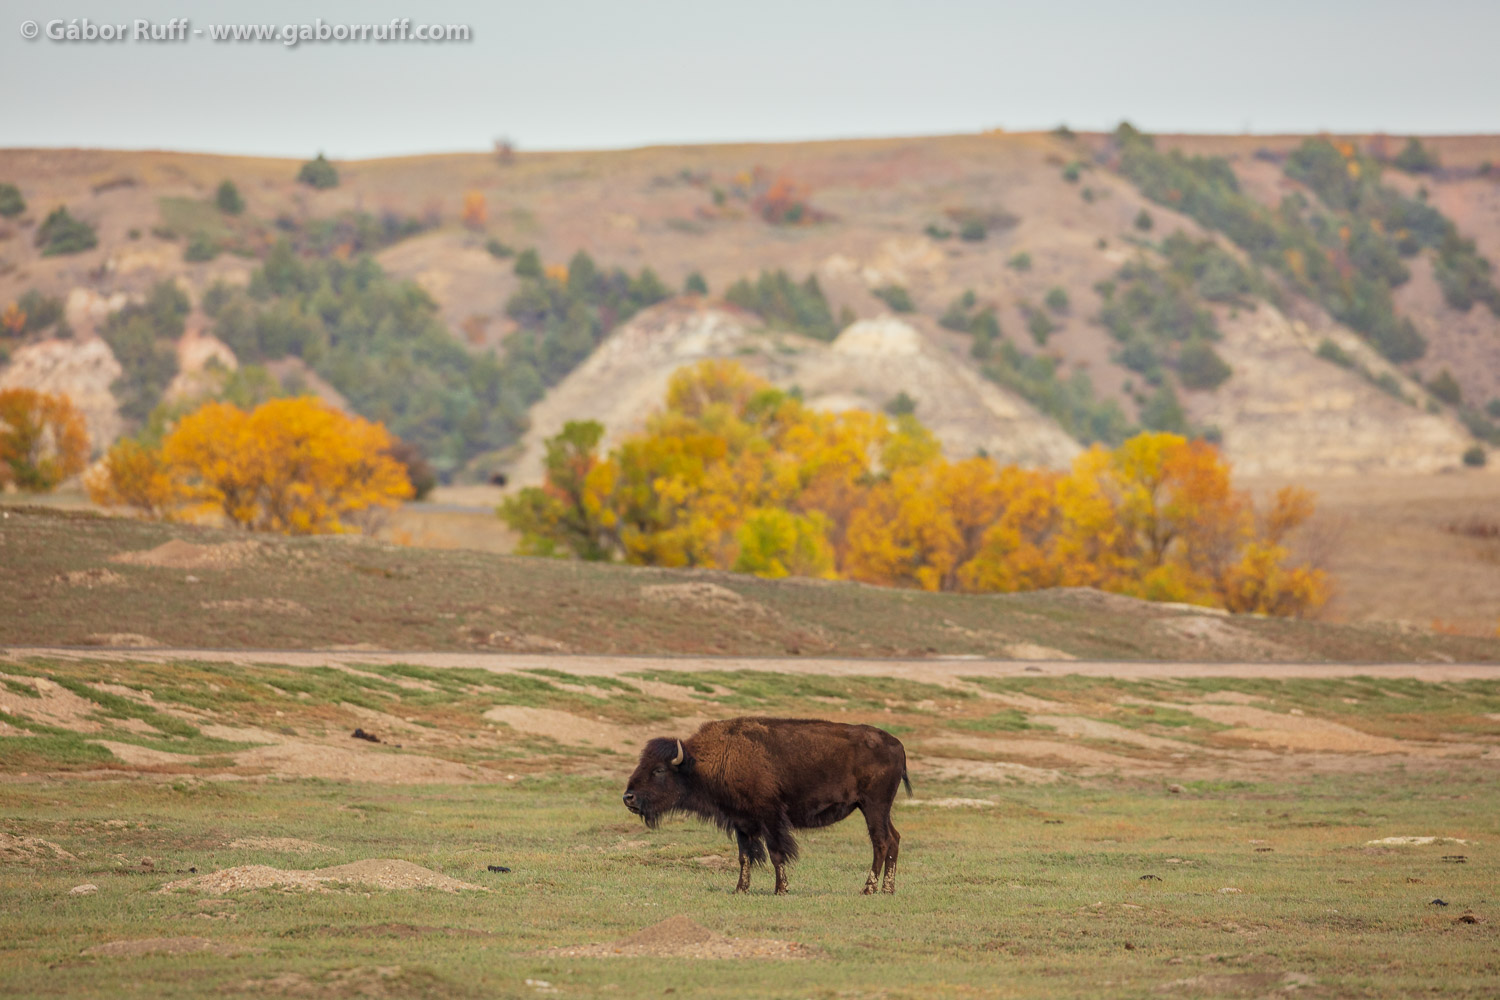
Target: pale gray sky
pixel 610 73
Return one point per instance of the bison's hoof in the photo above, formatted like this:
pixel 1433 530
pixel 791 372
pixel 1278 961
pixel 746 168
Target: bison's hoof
pixel 868 890
pixel 889 890
pixel 781 890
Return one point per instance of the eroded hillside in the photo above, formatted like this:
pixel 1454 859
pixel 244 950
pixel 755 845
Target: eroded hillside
pixel 1048 296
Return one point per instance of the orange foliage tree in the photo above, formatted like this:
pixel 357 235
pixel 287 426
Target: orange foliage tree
pixel 43 440
pixel 474 212
pixel 294 466
pixel 734 474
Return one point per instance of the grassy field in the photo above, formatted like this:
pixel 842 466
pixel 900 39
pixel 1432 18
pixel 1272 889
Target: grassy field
pixel 1041 894
pixel 1069 835
pixel 64 585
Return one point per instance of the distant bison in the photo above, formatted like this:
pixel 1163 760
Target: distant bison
pixel 761 778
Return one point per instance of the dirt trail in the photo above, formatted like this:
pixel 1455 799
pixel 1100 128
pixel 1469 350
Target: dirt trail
pixel 937 670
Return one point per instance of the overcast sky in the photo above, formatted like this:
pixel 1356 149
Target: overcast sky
pixel 612 73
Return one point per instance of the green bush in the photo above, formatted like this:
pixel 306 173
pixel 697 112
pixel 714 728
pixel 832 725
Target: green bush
pixel 695 285
pixel 1163 412
pixel 974 230
pixel 60 233
pixel 1072 172
pixel 1329 351
pixel 528 264
pixel 1493 408
pixel 1414 158
pixel 1071 402
pixel 779 300
pixel 1445 387
pixel 11 202
pixel 1475 457
pixel 1057 299
pixel 498 250
pixel 937 232
pixel 1019 261
pixel 901 405
pixel 201 247
pixel 1040 326
pixel 1143 221
pixel 319 173
pixel 1200 367
pixel 896 297
pixel 41 310
pixel 228 199
pixel 143 338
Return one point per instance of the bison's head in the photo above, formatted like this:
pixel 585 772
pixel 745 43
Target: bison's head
pixel 659 783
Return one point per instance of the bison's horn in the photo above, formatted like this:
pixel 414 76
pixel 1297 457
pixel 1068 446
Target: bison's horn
pixel 676 761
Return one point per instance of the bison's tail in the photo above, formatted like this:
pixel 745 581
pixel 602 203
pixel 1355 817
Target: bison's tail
pixel 906 781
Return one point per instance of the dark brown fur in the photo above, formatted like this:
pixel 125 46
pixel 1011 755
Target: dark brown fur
pixel 758 779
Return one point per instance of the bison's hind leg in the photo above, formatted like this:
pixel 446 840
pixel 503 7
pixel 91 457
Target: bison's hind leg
pixel 893 851
pixel 752 852
pixel 782 847
pixel 878 821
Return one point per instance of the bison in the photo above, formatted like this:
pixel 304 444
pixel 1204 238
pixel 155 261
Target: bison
pixel 759 779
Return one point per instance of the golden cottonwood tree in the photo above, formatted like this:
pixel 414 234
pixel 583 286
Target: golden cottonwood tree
pixel 734 474
pixel 43 440
pixel 294 466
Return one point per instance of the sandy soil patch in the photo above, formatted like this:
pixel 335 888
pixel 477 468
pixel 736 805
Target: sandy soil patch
pixel 178 554
pixel 89 578
pixel 564 727
pixel 159 946
pixel 950 803
pixel 286 845
pixel 1094 729
pixel 1031 651
pixel 259 605
pixel 380 873
pixel 20 850
pixel 1294 732
pixel 1047 753
pixel 57 706
pixel 680 937
pixel 304 759
pixel 1416 841
pixel 138 756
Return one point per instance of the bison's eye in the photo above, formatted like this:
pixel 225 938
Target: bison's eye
pixel 659 771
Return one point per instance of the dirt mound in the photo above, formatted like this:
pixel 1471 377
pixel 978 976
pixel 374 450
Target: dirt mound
pixel 259 605
pixel 287 845
pixel 381 873
pixel 120 640
pixel 1219 635
pixel 19 850
pixel 680 937
pixel 702 596
pixel 365 981
pixel 178 554
pixel 159 946
pixel 89 578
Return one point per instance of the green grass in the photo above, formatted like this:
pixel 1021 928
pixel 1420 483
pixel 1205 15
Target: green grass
pixel 1005 902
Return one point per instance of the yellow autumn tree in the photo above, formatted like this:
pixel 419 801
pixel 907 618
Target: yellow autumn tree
pixel 294 466
pixel 43 440
pixel 735 474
